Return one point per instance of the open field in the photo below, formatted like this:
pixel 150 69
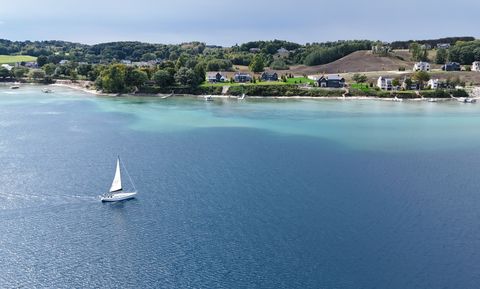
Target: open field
pixel 12 59
pixel 299 80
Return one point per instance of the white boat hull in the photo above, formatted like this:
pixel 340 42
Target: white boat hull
pixel 118 197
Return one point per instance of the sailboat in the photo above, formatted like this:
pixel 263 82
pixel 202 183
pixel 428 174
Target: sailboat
pixel 116 192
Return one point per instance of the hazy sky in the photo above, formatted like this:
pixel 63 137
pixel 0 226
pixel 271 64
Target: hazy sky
pixel 226 22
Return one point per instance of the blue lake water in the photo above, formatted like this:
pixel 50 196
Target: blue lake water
pixel 238 194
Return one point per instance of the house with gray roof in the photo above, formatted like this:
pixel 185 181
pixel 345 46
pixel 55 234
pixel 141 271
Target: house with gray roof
pixel 331 81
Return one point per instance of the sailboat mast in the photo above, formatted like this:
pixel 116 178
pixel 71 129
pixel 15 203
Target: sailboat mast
pixel 130 178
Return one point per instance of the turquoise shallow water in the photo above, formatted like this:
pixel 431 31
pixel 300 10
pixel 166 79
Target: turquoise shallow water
pixel 238 194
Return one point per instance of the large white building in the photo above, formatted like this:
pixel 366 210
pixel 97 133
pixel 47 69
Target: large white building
pixel 421 66
pixel 476 66
pixel 385 83
pixel 433 83
pixel 7 66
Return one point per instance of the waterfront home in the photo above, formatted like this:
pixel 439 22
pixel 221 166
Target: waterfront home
pixel 242 77
pixel 451 66
pixel 409 84
pixel 126 62
pixel 443 45
pixel 385 83
pixel 476 66
pixel 282 53
pixel 421 66
pixel 255 50
pixel 433 83
pixel 28 64
pixel 214 77
pixel 7 66
pixel 64 62
pixel 426 46
pixel 269 76
pixel 331 81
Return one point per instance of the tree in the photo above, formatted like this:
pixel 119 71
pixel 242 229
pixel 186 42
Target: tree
pixel 408 83
pixel 278 64
pixel 112 79
pixel 396 82
pixel 149 57
pixel 421 77
pixel 73 74
pixel 200 73
pixel 419 53
pixel 257 64
pixel 359 78
pixel 20 72
pixel 84 69
pixel 186 76
pixel 441 57
pixel 49 68
pixel 4 73
pixel 37 74
pixel 218 64
pixel 163 78
pixel 135 77
pixel 42 60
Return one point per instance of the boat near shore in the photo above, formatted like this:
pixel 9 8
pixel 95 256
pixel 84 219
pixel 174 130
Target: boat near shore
pixel 47 90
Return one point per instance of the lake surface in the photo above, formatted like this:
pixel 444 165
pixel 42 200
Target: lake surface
pixel 238 194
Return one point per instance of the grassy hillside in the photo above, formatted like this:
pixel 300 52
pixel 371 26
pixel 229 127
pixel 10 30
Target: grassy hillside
pixel 360 61
pixel 12 59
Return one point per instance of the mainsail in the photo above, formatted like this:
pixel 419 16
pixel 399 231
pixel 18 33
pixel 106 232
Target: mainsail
pixel 117 180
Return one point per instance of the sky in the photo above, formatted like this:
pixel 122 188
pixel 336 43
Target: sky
pixel 228 22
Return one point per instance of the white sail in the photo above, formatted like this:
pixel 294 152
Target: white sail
pixel 117 180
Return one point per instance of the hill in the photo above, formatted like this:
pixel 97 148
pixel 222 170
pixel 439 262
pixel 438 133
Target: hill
pixel 360 61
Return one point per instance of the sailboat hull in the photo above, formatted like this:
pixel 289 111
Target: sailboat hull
pixel 116 197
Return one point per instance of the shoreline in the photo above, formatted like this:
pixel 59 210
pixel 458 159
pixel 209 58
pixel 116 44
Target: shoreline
pixel 82 86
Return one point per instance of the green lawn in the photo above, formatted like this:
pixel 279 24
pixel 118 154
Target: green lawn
pixel 299 80
pixel 361 86
pixel 221 84
pixel 12 59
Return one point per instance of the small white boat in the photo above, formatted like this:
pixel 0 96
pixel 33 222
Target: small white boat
pixel 14 87
pixel 397 99
pixel 116 192
pixel 433 100
pixel 47 90
pixel 466 100
pixel 208 98
pixel 167 96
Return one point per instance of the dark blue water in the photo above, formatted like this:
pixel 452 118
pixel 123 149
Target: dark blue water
pixel 231 195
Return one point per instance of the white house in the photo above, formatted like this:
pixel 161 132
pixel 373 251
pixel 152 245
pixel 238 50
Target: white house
pixel 421 66
pixel 282 53
pixel 476 66
pixel 433 83
pixel 443 45
pixel 7 66
pixel 385 83
pixel 214 77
